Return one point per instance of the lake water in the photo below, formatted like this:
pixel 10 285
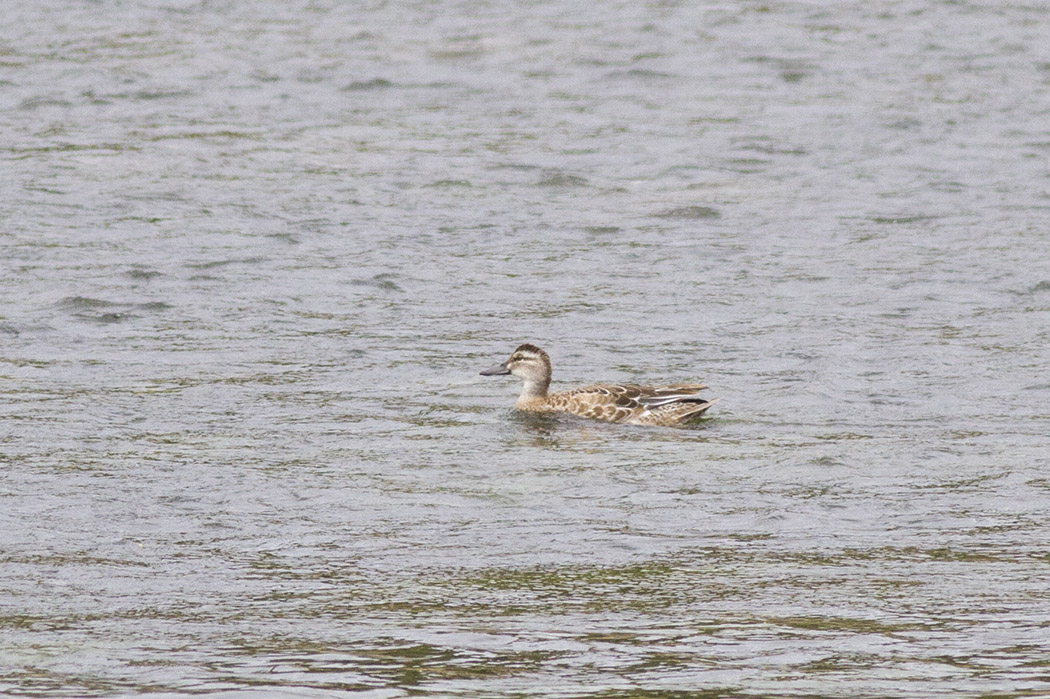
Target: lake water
pixel 255 254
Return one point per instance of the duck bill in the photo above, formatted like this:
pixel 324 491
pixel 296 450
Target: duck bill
pixel 498 370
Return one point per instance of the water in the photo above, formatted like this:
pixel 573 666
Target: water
pixel 254 256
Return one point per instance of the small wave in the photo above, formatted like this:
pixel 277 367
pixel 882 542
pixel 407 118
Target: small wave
pixel 84 303
pixel 373 84
pixel 690 212
pixel 560 179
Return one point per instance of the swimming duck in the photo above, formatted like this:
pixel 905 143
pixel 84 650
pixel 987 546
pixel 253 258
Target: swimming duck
pixel 632 405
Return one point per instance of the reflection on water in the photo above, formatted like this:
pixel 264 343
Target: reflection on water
pixel 254 257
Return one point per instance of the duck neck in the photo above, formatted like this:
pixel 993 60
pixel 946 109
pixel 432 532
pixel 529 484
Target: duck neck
pixel 534 390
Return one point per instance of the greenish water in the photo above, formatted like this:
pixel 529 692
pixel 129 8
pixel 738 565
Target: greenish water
pixel 253 258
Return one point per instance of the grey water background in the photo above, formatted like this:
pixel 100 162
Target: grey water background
pixel 254 255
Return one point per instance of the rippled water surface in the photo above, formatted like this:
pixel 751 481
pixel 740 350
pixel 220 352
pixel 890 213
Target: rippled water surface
pixel 254 255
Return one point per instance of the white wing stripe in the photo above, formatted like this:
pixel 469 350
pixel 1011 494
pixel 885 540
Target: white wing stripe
pixel 653 401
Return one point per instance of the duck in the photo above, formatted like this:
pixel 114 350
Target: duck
pixel 668 406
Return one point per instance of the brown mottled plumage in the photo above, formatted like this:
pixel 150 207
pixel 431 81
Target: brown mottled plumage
pixel 634 405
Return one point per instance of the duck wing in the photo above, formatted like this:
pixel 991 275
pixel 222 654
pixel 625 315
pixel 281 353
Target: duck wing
pixel 629 403
pixel 656 396
pixel 601 401
pixel 672 414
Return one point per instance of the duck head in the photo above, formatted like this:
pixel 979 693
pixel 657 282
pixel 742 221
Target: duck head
pixel 530 364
